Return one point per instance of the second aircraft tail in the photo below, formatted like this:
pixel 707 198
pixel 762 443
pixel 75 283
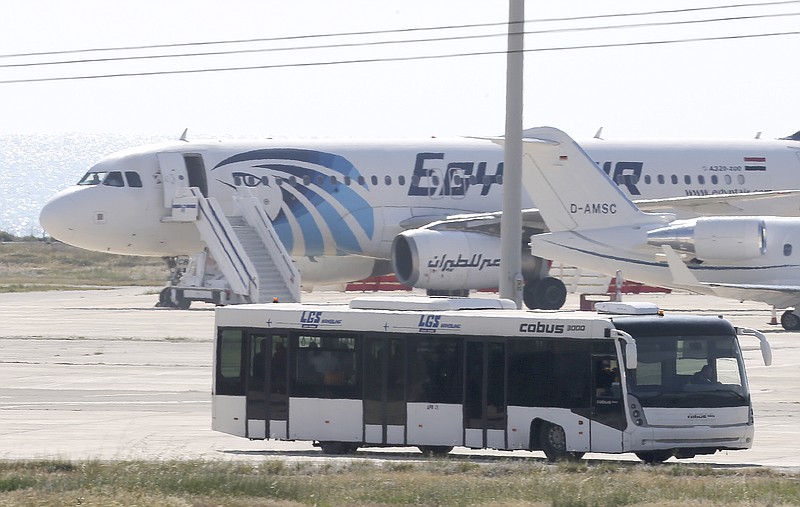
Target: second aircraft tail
pixel 571 191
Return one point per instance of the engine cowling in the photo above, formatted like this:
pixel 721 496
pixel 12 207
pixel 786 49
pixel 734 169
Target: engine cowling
pixel 452 260
pixel 715 238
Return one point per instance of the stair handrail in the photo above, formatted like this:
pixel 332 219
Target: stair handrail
pixel 226 249
pixel 255 216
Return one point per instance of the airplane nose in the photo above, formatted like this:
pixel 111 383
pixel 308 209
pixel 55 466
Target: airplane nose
pixel 56 216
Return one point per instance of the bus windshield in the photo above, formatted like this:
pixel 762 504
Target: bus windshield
pixel 689 371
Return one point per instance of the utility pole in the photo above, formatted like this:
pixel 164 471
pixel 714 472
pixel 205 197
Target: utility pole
pixel 511 282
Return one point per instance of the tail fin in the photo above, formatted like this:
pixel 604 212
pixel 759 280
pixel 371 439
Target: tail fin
pixel 570 190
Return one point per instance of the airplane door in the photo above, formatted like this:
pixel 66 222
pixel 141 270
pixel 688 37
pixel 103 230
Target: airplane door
pixel 196 172
pixel 173 175
pixel 384 400
pixel 484 394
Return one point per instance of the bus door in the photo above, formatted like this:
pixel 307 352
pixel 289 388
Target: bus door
pixel 267 399
pixel 384 399
pixel 485 394
pixel 608 410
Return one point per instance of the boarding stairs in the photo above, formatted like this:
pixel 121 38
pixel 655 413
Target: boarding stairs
pixel 244 260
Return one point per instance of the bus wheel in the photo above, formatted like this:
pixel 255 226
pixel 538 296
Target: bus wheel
pixel 653 457
pixel 438 451
pixel 554 444
pixel 338 448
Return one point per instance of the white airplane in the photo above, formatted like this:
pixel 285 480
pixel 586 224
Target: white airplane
pixel 593 224
pixel 344 209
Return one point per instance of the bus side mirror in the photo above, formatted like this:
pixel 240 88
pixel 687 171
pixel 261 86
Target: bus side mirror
pixel 766 350
pixel 631 356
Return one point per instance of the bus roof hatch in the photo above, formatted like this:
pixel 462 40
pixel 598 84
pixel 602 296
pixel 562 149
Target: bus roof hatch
pixel 421 303
pixel 634 308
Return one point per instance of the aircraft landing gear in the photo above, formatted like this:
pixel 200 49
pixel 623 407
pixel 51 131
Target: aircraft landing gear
pixel 790 320
pixel 546 294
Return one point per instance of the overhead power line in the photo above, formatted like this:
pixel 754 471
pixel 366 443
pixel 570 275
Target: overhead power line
pixel 396 59
pixel 650 24
pixel 399 31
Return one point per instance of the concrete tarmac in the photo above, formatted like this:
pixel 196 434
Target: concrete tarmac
pixel 103 374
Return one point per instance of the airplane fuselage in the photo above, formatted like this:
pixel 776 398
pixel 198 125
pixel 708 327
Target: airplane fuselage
pixel 341 198
pixel 746 259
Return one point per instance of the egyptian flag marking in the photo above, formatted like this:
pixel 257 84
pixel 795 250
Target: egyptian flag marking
pixel 755 163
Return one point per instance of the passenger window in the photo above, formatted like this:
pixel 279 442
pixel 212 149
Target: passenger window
pixel 728 179
pixel 333 180
pixel 278 180
pixel 387 180
pixel 787 249
pixel 661 179
pixel 701 179
pixel 347 180
pixel 114 179
pixel 133 179
pixel 647 179
pixel 306 180
pixel 361 180
pixel 320 180
pixel 292 181
pixel 687 179
pixel 674 179
pixel 740 178
pixel 401 180
pixel 714 179
pixel 374 180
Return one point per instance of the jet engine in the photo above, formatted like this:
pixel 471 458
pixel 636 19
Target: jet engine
pixel 714 238
pixel 453 260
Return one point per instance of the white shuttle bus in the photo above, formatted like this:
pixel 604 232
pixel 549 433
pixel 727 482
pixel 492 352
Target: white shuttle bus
pixel 437 372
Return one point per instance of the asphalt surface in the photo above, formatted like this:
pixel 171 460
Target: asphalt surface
pixel 103 374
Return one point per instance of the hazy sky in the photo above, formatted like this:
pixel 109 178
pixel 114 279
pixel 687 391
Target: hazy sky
pixel 722 88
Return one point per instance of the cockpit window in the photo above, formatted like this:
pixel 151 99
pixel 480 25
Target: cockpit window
pixel 114 179
pixel 134 180
pixel 92 178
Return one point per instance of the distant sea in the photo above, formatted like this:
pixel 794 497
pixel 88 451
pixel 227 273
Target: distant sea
pixel 33 167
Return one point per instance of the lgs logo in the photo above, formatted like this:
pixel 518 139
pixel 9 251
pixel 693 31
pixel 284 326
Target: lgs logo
pixel 429 321
pixel 310 319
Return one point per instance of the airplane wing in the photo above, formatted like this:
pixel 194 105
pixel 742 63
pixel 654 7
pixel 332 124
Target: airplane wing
pixel 781 296
pixel 486 222
pixel 722 204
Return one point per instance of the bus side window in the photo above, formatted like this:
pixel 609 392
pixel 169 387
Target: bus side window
pixel 325 366
pixel 570 374
pixel 435 370
pixel 230 363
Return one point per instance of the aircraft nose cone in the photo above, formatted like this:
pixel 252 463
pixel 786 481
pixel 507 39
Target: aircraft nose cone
pixel 55 217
